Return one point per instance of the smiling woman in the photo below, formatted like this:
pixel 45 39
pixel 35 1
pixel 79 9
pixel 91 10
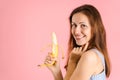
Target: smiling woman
pixel 88 58
pixel 93 33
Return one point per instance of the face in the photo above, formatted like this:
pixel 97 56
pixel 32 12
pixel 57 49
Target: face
pixel 81 28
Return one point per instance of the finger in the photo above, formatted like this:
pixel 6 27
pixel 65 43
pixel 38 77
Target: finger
pixel 74 49
pixel 80 49
pixel 49 61
pixel 85 47
pixel 46 62
pixel 77 49
pixel 48 58
pixel 50 53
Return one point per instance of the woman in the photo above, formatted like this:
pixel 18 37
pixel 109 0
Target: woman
pixel 87 50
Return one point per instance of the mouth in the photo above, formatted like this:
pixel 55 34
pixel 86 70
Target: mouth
pixel 79 38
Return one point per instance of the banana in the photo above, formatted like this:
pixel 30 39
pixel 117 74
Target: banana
pixel 54 50
pixel 54 45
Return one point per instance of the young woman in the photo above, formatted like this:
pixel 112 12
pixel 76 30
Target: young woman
pixel 87 50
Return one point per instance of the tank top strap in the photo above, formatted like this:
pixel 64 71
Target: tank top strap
pixel 100 76
pixel 100 56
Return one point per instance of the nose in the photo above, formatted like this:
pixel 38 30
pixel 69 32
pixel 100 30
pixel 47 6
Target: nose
pixel 77 30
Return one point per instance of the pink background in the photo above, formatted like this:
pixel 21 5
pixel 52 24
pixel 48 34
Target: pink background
pixel 26 27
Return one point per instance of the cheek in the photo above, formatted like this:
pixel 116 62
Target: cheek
pixel 72 31
pixel 88 34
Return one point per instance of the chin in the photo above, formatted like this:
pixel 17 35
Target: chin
pixel 80 43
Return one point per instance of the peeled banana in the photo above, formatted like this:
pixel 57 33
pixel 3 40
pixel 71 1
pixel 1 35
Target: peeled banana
pixel 54 49
pixel 54 45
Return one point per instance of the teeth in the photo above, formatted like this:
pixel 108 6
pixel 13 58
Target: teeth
pixel 79 37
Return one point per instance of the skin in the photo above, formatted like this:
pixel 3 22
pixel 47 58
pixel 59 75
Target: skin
pixel 82 64
pixel 81 29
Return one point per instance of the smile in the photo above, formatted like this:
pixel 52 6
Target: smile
pixel 79 38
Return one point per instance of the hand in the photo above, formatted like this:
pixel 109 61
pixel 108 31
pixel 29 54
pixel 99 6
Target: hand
pixel 77 52
pixel 73 60
pixel 54 68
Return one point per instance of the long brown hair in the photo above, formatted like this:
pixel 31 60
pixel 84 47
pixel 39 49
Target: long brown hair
pixel 98 38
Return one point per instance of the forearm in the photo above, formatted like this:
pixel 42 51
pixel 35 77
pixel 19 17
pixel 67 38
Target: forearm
pixel 58 75
pixel 70 69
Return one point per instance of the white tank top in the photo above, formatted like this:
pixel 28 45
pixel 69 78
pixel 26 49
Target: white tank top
pixel 102 75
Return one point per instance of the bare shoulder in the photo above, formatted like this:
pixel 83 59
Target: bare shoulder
pixel 90 56
pixel 86 66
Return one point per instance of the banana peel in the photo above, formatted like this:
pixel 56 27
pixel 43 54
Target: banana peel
pixel 54 49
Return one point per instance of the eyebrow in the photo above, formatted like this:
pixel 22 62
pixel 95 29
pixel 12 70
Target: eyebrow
pixel 79 22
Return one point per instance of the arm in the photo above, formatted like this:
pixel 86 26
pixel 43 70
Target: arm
pixel 72 63
pixel 86 66
pixel 58 75
pixel 70 69
pixel 75 56
pixel 54 68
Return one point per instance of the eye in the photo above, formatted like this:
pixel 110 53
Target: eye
pixel 73 25
pixel 83 26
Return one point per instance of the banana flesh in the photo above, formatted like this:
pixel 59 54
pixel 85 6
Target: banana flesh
pixel 54 50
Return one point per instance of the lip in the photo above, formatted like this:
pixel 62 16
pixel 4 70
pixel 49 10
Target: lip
pixel 79 38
